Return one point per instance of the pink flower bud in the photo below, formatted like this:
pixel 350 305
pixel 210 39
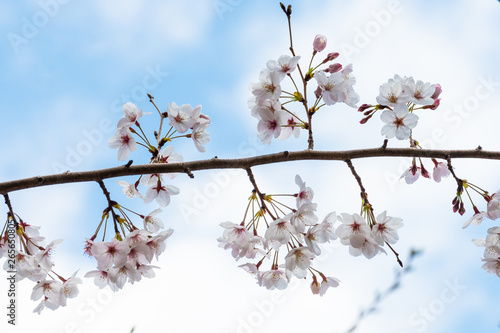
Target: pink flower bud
pixel 319 43
pixel 363 107
pixel 318 92
pixel 437 92
pixel 334 68
pixel 331 56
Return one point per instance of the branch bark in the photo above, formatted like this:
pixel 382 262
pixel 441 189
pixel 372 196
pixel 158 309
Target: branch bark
pixel 239 163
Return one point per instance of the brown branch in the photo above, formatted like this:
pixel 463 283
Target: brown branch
pixel 241 163
pixel 259 193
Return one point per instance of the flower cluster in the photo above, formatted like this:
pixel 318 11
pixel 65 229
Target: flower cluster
pixel 368 239
pixel 492 250
pixel 492 208
pixel 128 255
pixel 33 261
pixel 399 98
pixel 119 261
pixel 181 119
pixel 439 171
pixel 335 85
pixel 299 233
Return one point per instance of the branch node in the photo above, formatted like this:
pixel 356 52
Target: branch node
pixel 129 163
pixel 286 153
pixel 39 179
pixel 189 173
pixel 479 147
pixel 384 145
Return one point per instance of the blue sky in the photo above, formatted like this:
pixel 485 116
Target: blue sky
pixel 68 66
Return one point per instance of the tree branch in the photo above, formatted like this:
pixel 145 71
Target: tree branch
pixel 241 163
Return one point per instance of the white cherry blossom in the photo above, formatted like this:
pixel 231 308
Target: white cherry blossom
pixel 152 223
pixel 124 141
pixel 285 65
pixel 392 93
pixel 494 206
pixel 385 230
pixel 130 190
pixel 419 92
pixel 268 86
pixel 180 116
pixel 130 115
pixel 305 194
pixel 299 257
pixel 110 253
pixel 160 193
pixel 328 282
pixel 333 87
pixel 200 136
pixel 274 279
pixel 269 125
pixel 398 122
pixel 279 232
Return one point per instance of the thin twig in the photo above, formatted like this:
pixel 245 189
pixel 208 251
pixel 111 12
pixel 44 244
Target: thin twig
pixel 372 308
pixel 363 194
pixel 259 193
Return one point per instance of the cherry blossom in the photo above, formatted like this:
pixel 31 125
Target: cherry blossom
pixel 50 290
pixel 264 105
pixel 69 289
pixel 235 237
pixel 364 244
pixel 285 65
pixel 351 225
pixel 419 92
pixel 305 194
pixel 100 277
pixel 124 141
pixel 492 263
pixel 274 279
pixel 299 257
pixel 269 125
pixel 392 92
pixel 399 122
pixel 120 274
pixel 268 86
pixel 328 282
pixel 152 179
pixel 494 206
pixel 385 230
pixel 160 193
pixel 411 175
pixel 321 233
pixel 156 244
pixel 43 257
pixel 180 116
pixel 440 170
pixel 333 87
pixel 130 115
pixel 476 219
pixel 110 253
pixel 130 190
pixel 152 223
pixel 290 128
pixel 279 232
pixel 304 216
pixel 167 155
pixel 200 136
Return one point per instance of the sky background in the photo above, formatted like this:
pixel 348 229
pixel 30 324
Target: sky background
pixel 68 66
